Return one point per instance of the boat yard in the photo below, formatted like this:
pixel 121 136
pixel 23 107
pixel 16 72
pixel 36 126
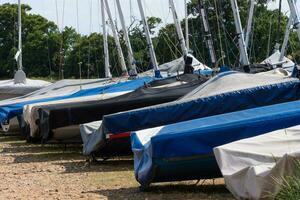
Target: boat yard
pixel 202 103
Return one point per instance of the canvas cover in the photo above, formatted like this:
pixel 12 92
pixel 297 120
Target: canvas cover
pixel 70 113
pixel 12 109
pixel 184 150
pixel 254 168
pixel 273 60
pixel 178 65
pixel 8 88
pixel 57 89
pixel 227 92
pixel 31 111
pixel 88 129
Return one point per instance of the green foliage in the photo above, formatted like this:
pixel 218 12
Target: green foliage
pixel 290 186
pixel 49 52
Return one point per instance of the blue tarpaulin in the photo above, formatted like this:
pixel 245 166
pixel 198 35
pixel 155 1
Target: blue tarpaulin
pixel 12 110
pixel 227 92
pixel 185 150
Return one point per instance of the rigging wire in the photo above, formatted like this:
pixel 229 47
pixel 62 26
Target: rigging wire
pixel 79 62
pixel 63 15
pixel 269 39
pixel 57 18
pixel 219 32
pixel 89 40
pixel 225 35
pixel 48 47
pixel 14 36
pixel 195 47
pixel 176 48
pixel 279 22
pixel 62 52
pixel 252 55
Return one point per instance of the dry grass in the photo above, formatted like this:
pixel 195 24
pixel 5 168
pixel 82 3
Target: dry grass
pixel 53 172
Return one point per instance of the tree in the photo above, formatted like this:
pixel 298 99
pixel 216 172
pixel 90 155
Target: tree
pixel 39 41
pixel 49 52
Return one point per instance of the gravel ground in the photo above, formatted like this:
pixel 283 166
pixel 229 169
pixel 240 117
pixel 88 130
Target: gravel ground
pixel 54 172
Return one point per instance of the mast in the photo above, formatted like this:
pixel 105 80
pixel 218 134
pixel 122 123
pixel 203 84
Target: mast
pixel 105 44
pixel 249 23
pixel 20 60
pixel 127 40
pixel 20 76
pixel 117 41
pixel 240 35
pixel 178 29
pixel 149 40
pixel 207 36
pixel 296 16
pixel 286 38
pixel 187 39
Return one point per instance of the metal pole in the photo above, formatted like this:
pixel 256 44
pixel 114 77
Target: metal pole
pixel 240 35
pixel 208 36
pixel 149 40
pixel 249 23
pixel 127 40
pixel 117 41
pixel 105 44
pixel 187 39
pixel 286 37
pixel 79 64
pixel 279 23
pixel 296 16
pixel 178 28
pixel 20 60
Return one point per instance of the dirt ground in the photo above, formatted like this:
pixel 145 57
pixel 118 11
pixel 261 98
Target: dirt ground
pixel 30 171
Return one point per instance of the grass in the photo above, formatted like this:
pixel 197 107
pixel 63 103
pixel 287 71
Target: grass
pixel 290 185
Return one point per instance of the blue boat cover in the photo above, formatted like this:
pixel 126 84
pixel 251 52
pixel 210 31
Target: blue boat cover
pixel 192 139
pixel 227 92
pixel 10 111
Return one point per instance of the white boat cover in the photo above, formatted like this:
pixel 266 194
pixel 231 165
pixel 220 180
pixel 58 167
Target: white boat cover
pixel 273 60
pixel 8 88
pixel 176 66
pixel 253 168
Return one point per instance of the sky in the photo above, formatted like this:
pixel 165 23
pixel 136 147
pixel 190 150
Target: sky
pixel 89 16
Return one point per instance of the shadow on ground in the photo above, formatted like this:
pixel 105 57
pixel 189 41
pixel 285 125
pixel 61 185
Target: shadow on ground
pixel 105 166
pixel 179 191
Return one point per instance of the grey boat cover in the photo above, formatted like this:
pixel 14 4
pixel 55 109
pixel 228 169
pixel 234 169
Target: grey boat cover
pixel 8 88
pixel 58 89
